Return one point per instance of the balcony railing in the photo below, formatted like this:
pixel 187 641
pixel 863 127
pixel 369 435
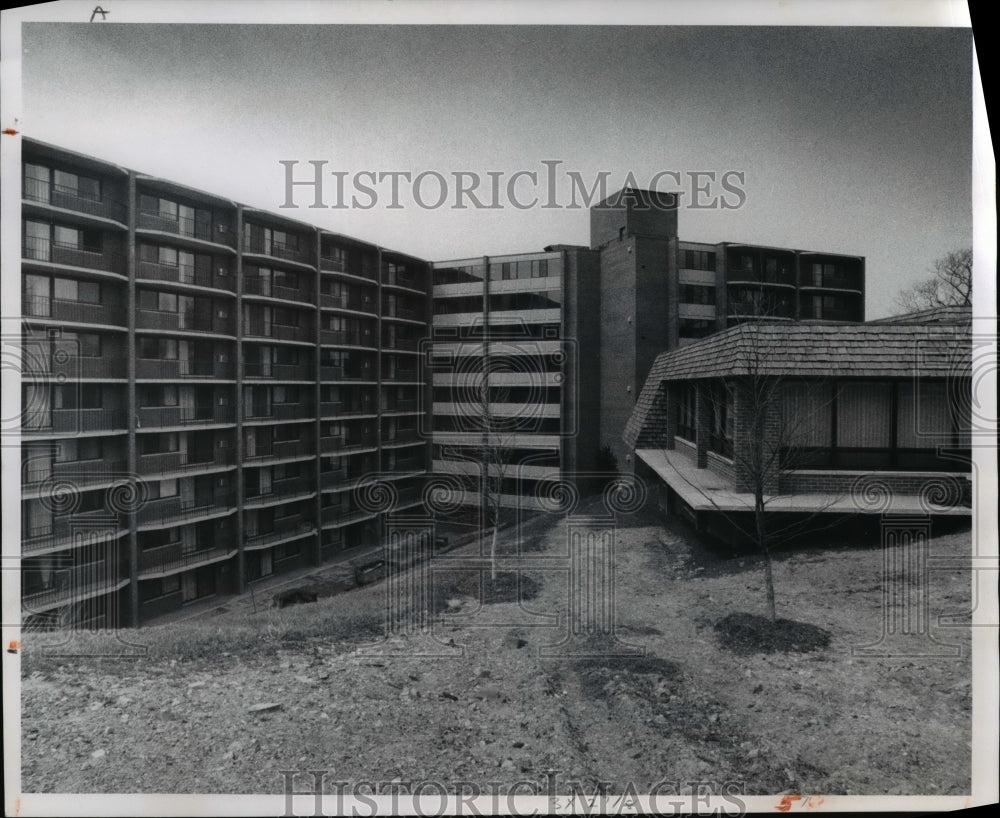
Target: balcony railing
pixel 279 450
pixel 786 277
pixel 280 411
pixel 79 474
pixel 281 530
pixel 64 528
pixel 346 337
pixel 850 281
pixel 345 408
pixel 38 306
pixel 260 329
pixel 342 265
pixel 52 252
pixel 348 373
pixel 295 372
pixel 151 417
pixel 404 344
pixel 36 190
pixel 395 311
pixel 186 274
pixel 173 509
pixel 406 405
pixel 184 321
pixel 75 584
pixel 280 490
pixel 401 375
pixel 255 285
pixel 260 246
pixel 190 368
pixel 152 464
pixel 174 556
pixel 69 421
pixel 74 367
pixel 201 229
pixel 399 278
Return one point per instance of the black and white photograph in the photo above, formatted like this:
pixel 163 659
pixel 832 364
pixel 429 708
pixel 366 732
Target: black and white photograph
pixel 463 408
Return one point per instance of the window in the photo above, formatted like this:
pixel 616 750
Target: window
pixel 37 179
pixel 699 260
pixel 164 349
pixel 68 289
pixel 74 238
pixel 697 294
pixel 85 448
pixel 81 186
pixel 161 489
pixel 286 394
pixel 37 244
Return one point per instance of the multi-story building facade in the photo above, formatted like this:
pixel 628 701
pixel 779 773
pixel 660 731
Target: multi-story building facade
pixel 507 373
pixel 205 383
pixel 203 386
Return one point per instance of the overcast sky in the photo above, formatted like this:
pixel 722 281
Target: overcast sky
pixel 852 140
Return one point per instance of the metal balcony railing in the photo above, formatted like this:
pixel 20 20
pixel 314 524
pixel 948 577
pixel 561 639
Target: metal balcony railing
pixel 174 509
pixel 37 306
pixel 152 464
pixel 67 198
pixel 69 421
pixel 174 556
pixel 190 368
pixel 281 530
pixel 151 417
pixel 187 274
pixel 53 252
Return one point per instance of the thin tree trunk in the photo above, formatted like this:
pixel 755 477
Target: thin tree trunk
pixel 493 553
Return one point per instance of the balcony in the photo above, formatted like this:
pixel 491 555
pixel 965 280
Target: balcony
pixel 183 322
pixel 152 465
pixel 286 529
pixel 266 288
pixel 332 264
pixel 152 368
pixel 80 475
pixel 406 313
pixel 171 558
pixel 187 227
pixel 345 408
pixel 402 375
pixel 342 514
pixel 280 411
pixel 171 510
pixel 75 585
pixel 278 332
pixel 71 421
pixel 399 278
pixel 406 405
pixel 404 464
pixel 69 529
pixel 67 198
pixel 44 251
pixel 279 372
pixel 261 247
pixel 38 306
pixel 278 450
pixel 347 338
pixel 344 301
pixel 844 281
pixel 281 491
pixel 401 344
pixel 335 444
pixel 153 417
pixel 186 274
pixel 109 366
pixel 785 277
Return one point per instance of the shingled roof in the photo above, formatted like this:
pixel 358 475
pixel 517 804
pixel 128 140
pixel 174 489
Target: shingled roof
pixel 900 348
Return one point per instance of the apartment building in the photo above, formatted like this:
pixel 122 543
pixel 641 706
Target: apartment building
pixel 512 393
pixel 204 384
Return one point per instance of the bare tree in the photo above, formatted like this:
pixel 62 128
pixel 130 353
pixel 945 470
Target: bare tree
pixel 950 284
pixel 771 446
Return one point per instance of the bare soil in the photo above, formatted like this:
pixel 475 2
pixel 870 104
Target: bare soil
pixel 505 692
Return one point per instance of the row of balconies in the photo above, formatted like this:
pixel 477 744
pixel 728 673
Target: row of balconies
pixel 170 510
pixel 186 321
pixel 267 288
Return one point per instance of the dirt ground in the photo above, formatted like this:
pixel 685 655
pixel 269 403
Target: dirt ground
pixel 505 692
